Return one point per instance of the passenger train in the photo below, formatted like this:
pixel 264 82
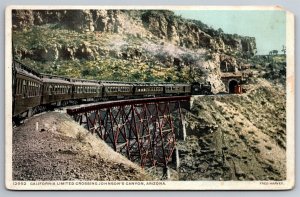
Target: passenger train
pixel 34 92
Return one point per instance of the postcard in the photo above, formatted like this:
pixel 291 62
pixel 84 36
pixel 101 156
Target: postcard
pixel 149 98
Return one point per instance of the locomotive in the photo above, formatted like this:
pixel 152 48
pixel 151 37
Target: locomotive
pixel 34 92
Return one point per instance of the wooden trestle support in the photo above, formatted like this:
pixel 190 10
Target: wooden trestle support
pixel 144 130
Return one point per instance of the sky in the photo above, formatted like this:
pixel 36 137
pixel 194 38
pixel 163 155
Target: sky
pixel 268 27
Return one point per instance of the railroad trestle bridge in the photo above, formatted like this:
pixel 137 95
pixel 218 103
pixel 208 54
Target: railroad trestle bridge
pixel 145 130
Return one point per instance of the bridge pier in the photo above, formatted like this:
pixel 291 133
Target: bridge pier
pixel 166 173
pixel 182 129
pixel 175 158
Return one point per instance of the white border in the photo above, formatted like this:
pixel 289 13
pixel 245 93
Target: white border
pixel 169 185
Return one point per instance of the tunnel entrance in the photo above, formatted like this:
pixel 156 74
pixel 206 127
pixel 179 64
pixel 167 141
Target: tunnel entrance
pixel 231 86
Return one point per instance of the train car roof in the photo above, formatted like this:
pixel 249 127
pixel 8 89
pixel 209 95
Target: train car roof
pixel 54 79
pixel 117 84
pixel 177 84
pixel 85 82
pixel 21 68
pixel 148 84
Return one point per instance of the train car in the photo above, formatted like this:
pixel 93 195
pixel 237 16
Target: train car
pixel 117 89
pixel 56 90
pixel 87 90
pixel 177 89
pixel 148 89
pixel 27 92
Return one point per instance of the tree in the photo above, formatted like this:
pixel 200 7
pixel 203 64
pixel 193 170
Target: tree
pixel 273 52
pixel 283 49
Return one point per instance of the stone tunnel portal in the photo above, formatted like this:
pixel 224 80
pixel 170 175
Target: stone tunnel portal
pixel 231 86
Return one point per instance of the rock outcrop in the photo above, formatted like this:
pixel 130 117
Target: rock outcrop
pixel 155 37
pixel 162 24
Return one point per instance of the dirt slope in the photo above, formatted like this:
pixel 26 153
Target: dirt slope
pixel 236 137
pixel 62 150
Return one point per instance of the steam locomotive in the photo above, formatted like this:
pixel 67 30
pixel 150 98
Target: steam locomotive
pixel 34 92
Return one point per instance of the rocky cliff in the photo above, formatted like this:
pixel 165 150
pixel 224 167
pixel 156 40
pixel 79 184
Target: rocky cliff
pixel 171 47
pixel 162 24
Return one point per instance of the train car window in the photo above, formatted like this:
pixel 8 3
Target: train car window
pixel 29 89
pixel 50 89
pixel 32 89
pixel 18 86
pixel 21 86
pixel 37 89
pixel 24 89
pixel 54 89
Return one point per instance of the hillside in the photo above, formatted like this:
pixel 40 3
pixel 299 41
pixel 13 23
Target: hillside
pixel 56 152
pixel 237 137
pixel 126 45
